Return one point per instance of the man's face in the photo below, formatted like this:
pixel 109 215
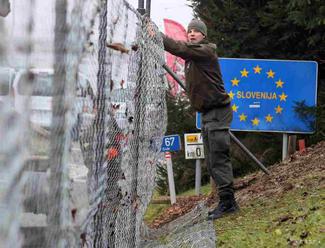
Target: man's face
pixel 194 36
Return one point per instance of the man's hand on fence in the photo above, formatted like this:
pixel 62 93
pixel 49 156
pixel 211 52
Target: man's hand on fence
pixel 118 47
pixel 151 29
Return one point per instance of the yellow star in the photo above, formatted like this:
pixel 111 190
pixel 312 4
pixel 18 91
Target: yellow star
pixel 278 110
pixel 279 83
pixel 244 73
pixel 269 118
pixel 242 117
pixel 234 108
pixel 257 69
pixel 283 97
pixel 235 81
pixel 255 122
pixel 270 74
pixel 231 95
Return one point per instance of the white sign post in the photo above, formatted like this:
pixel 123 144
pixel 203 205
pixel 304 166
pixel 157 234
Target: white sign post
pixel 170 174
pixel 194 150
pixel 197 176
pixel 284 146
pixel 170 143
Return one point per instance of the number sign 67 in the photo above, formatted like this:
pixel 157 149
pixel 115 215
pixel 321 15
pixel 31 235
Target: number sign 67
pixel 171 143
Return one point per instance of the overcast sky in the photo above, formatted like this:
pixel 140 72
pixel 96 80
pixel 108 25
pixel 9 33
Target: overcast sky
pixel 176 10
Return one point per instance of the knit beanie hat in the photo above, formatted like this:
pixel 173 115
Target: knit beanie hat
pixel 198 25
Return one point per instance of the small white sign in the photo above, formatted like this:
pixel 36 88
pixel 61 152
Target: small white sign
pixel 193 146
pixel 255 105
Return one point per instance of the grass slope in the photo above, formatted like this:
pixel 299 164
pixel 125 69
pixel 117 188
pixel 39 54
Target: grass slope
pixel 285 209
pixel 295 219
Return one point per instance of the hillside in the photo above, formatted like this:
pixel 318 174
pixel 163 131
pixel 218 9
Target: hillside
pixel 291 198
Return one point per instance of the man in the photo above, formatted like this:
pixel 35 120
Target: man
pixel 207 95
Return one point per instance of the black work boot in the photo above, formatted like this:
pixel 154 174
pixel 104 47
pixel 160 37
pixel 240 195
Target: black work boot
pixel 227 205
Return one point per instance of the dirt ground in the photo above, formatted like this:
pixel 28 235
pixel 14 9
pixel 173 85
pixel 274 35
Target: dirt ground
pixel 300 169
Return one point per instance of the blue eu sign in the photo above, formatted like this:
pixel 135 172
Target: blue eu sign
pixel 266 94
pixel 171 143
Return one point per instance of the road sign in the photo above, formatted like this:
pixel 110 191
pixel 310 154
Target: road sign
pixel 171 143
pixel 265 94
pixel 193 146
pixel 198 120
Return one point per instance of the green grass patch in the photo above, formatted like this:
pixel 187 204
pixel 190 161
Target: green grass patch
pixel 294 219
pixel 204 190
pixel 153 211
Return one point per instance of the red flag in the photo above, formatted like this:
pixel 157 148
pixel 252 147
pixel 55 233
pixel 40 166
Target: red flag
pixel 177 32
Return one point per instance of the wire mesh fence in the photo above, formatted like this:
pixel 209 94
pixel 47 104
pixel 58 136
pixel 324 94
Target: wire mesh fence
pixel 83 112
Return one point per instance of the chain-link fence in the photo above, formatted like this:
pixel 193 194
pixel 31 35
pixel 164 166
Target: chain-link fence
pixel 83 112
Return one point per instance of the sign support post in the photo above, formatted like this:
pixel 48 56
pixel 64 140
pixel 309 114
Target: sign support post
pixel 285 146
pixel 170 174
pixel 197 176
pixel 170 143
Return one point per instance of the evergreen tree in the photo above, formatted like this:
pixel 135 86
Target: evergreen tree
pixel 274 29
pixel 279 29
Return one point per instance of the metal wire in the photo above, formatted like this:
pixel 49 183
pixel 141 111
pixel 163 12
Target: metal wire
pixel 83 123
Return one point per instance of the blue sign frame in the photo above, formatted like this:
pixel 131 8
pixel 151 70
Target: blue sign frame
pixel 265 94
pixel 198 120
pixel 171 143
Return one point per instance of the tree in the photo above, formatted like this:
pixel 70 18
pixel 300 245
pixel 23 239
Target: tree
pixel 274 29
pixel 291 29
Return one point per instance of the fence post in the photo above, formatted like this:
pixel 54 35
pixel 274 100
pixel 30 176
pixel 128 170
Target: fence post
pixel 59 218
